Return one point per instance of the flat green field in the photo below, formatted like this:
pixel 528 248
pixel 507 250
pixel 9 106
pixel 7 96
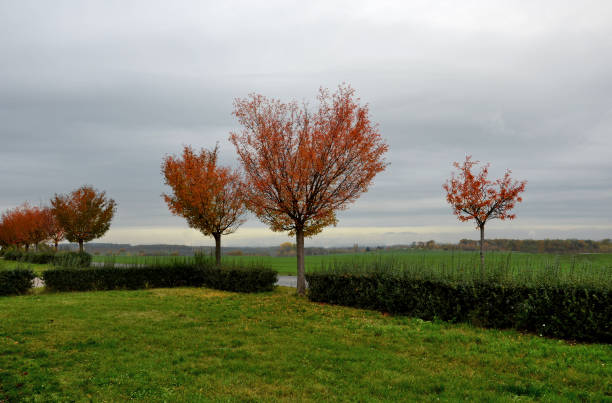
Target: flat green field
pixel 190 344
pixel 287 265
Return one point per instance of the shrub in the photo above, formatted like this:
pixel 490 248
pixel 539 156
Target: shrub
pixel 169 275
pixel 16 281
pixel 239 279
pixel 561 310
pixel 38 257
pixel 13 254
pixel 72 259
pixel 111 278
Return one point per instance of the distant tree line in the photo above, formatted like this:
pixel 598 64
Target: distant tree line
pixel 521 245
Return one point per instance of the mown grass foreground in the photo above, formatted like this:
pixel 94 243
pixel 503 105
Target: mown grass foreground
pixel 197 344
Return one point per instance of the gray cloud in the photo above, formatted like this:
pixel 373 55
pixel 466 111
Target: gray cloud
pixel 99 92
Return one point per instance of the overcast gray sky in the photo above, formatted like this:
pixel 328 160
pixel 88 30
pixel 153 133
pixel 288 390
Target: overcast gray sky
pixel 97 92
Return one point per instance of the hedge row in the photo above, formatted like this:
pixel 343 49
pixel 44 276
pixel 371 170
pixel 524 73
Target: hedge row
pixel 568 312
pixel 176 275
pixel 16 281
pixel 252 279
pixel 70 259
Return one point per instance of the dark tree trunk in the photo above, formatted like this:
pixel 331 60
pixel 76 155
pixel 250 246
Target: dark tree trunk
pixel 27 247
pixel 301 277
pixel 217 237
pixel 80 246
pixel 56 245
pixel 482 247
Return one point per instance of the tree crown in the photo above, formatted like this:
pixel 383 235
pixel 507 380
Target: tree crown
pixel 207 195
pixel 301 166
pixel 474 197
pixel 84 214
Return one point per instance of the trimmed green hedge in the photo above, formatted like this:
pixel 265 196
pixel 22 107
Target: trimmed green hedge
pixel 13 254
pixel 16 281
pixel 568 312
pixel 252 279
pixel 176 275
pixel 38 257
pixel 72 259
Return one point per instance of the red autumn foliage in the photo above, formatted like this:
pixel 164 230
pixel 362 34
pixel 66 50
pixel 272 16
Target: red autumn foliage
pixel 301 167
pixel 207 195
pixel 13 227
pixel 55 232
pixel 24 226
pixel 474 197
pixel 84 214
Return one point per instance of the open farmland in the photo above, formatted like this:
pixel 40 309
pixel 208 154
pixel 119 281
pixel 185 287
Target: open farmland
pixel 602 263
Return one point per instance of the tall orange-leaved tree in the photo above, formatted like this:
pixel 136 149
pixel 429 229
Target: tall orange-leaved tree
pixel 474 197
pixel 207 195
pixel 303 166
pixel 84 214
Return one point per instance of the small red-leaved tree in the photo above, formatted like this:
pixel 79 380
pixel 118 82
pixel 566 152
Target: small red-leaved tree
pixel 301 166
pixel 35 228
pixel 14 227
pixel 85 214
pixel 55 232
pixel 474 197
pixel 207 195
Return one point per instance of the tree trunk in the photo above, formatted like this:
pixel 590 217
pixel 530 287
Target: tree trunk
pixel 56 245
pixel 301 278
pixel 80 246
pixel 217 248
pixel 482 247
pixel 27 247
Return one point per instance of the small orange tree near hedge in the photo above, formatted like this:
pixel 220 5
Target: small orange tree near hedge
pixel 207 195
pixel 84 214
pixel 474 197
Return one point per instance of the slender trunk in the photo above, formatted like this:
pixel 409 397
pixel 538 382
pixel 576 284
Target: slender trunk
pixel 80 246
pixel 482 247
pixel 56 245
pixel 27 247
pixel 217 237
pixel 301 278
pixel 36 247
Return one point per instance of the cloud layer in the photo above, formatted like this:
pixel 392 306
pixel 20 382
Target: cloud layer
pixel 99 92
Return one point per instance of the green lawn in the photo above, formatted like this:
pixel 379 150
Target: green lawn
pixel 10 264
pixel 192 344
pixel 287 265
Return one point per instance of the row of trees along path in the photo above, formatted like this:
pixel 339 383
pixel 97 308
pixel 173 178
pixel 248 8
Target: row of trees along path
pixel 300 167
pixel 80 216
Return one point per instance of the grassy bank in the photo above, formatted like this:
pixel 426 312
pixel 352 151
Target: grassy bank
pixel 188 343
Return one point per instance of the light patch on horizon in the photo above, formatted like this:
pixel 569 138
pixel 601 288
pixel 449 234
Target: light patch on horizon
pixel 347 236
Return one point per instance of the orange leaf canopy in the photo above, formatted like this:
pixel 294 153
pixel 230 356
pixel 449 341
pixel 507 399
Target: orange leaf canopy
pixel 474 197
pixel 207 195
pixel 302 166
